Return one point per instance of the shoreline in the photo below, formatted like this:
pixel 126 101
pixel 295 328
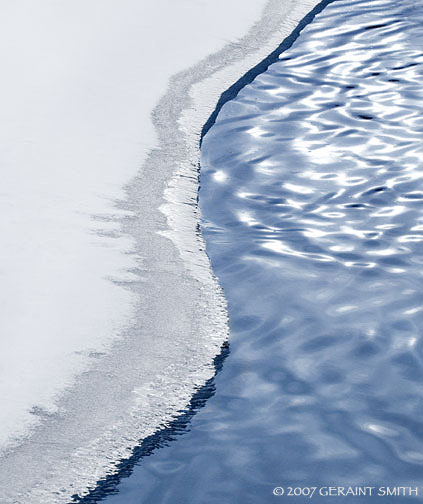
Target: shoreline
pixel 107 485
pixel 179 297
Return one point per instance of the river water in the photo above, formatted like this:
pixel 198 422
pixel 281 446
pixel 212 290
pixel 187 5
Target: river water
pixel 311 200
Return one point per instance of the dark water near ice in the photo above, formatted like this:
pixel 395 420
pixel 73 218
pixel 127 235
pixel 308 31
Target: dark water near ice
pixel 311 193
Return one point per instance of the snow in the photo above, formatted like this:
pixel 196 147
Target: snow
pixel 79 81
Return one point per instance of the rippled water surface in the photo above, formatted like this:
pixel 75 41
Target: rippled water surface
pixel 311 194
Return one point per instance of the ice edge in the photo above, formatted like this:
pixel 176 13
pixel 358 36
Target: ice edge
pixel 172 174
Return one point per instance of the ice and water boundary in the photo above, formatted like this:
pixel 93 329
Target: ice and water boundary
pixel 152 373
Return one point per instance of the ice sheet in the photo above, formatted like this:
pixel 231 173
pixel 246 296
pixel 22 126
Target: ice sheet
pixel 107 325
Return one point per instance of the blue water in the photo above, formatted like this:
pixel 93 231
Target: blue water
pixel 311 194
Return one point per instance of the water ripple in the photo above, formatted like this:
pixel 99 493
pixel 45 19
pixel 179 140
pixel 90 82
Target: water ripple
pixel 312 203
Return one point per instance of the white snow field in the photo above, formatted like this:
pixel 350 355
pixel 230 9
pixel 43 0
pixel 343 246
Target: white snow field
pixel 110 314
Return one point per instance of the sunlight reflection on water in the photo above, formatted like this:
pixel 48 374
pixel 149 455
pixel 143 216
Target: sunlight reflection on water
pixel 312 205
